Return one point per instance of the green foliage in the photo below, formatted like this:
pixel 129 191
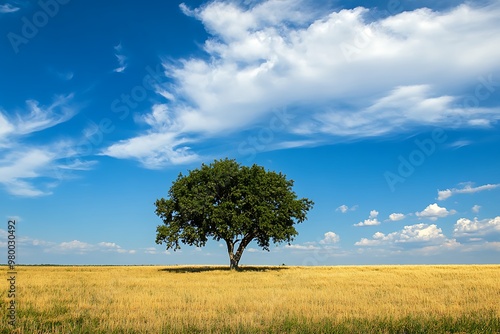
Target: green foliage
pixel 230 202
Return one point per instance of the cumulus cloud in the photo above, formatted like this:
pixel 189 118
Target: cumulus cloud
pixel 113 247
pixel 434 211
pixel 330 238
pixel 476 208
pixel 326 244
pixel 396 216
pixel 419 233
pixel 286 54
pixel 371 221
pixel 466 189
pixel 476 228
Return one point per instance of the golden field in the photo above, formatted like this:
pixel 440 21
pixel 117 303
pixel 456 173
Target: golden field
pixel 198 299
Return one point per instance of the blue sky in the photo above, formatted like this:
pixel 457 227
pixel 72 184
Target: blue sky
pixel 384 113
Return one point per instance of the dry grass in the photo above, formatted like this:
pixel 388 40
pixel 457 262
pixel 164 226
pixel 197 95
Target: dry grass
pixel 378 299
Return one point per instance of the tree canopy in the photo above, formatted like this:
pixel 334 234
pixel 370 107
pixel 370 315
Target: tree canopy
pixel 230 202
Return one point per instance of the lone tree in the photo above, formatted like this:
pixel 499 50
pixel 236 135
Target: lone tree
pixel 230 202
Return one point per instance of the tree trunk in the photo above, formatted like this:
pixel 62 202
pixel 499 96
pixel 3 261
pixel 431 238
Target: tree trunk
pixel 234 258
pixel 233 263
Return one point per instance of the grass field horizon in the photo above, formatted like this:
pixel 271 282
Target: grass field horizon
pixel 256 299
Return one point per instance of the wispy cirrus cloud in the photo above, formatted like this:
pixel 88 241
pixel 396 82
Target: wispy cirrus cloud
pixel 18 168
pixel 160 146
pixel 271 54
pixel 24 163
pixel 35 118
pixel 122 59
pixel 467 188
pixel 8 8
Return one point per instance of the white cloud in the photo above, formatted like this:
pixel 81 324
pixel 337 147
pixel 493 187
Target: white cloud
pixel 482 246
pixel 16 218
pixel 396 216
pixel 66 76
pixel 23 163
pixel 432 250
pixel 302 247
pixel 122 65
pixel 151 250
pixel 36 118
pixel 153 150
pixel 16 167
pixel 460 143
pixel 254 250
pixel 368 222
pixel 278 54
pixel 474 228
pixel 419 233
pixel 371 221
pixel 74 246
pixel 20 168
pixel 8 8
pixel 343 208
pixel 78 247
pixel 160 146
pixel 112 247
pixel 467 189
pixel 154 251
pixel 330 238
pixel 476 208
pixel 434 211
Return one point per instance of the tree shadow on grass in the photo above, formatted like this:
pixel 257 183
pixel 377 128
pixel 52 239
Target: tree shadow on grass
pixel 199 269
